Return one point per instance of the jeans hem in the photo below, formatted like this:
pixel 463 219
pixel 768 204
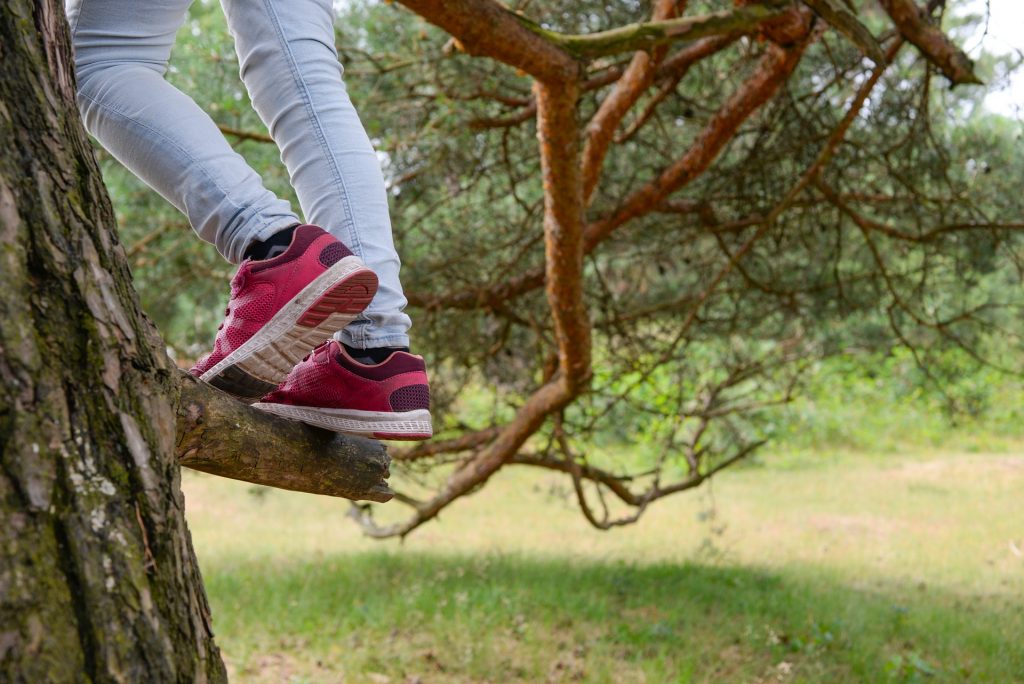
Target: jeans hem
pixel 372 340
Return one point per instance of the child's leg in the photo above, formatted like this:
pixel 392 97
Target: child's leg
pixel 121 52
pixel 290 67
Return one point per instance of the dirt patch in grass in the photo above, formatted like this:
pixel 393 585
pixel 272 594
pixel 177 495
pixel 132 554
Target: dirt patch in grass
pixel 951 469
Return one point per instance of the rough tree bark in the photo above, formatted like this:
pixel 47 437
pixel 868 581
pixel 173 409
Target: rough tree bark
pixel 98 578
pixel 219 435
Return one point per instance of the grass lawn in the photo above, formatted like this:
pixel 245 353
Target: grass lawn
pixel 837 568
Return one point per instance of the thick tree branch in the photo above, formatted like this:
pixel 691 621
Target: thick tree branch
pixel 774 68
pixel 916 26
pixel 844 21
pixel 557 128
pixel 648 35
pixel 567 182
pixel 637 78
pixel 487 28
pixel 222 436
pixel 672 71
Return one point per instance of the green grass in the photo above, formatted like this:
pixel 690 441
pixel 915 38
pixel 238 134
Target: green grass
pixel 834 569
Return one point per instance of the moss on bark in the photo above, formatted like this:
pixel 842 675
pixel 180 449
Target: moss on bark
pixel 98 580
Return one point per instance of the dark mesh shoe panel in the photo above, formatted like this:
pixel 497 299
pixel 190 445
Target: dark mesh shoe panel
pixel 410 398
pixel 333 253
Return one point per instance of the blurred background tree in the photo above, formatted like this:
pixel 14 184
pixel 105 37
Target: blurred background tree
pixel 847 235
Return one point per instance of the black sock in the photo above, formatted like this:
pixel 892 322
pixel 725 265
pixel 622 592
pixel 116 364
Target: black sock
pixel 373 355
pixel 273 246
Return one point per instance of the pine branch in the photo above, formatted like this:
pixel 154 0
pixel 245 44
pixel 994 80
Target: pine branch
pixel 219 435
pixel 648 35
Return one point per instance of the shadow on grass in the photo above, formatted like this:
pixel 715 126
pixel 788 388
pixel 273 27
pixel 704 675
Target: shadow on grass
pixel 398 616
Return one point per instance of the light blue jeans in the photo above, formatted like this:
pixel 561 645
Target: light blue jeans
pixel 290 67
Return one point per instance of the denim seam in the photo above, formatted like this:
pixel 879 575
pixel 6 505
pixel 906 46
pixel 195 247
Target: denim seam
pixel 314 119
pixel 339 178
pixel 264 224
pixel 78 18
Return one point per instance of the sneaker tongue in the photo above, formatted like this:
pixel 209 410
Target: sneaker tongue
pixel 276 250
pixel 239 280
pixel 329 347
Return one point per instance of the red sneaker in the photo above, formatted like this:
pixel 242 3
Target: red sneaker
pixel 281 308
pixel 329 389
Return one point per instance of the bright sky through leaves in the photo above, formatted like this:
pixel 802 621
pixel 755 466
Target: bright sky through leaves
pixel 1004 35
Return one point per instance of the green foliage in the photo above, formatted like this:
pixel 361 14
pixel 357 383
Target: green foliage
pixel 886 402
pixel 874 333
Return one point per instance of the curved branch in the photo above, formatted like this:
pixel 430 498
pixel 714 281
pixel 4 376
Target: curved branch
pixel 557 128
pixel 774 68
pixel 628 89
pixel 651 34
pixel 844 21
pixel 436 447
pixel 617 484
pixel 477 470
pixel 487 28
pixel 222 436
pixel 916 26
pixel 672 71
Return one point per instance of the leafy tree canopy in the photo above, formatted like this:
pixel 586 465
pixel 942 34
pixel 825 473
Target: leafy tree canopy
pixel 728 245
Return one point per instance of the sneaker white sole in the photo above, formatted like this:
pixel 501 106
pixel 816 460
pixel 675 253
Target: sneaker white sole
pixel 407 425
pixel 329 303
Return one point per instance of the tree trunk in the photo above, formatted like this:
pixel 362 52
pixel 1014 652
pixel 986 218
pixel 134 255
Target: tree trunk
pixel 99 580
